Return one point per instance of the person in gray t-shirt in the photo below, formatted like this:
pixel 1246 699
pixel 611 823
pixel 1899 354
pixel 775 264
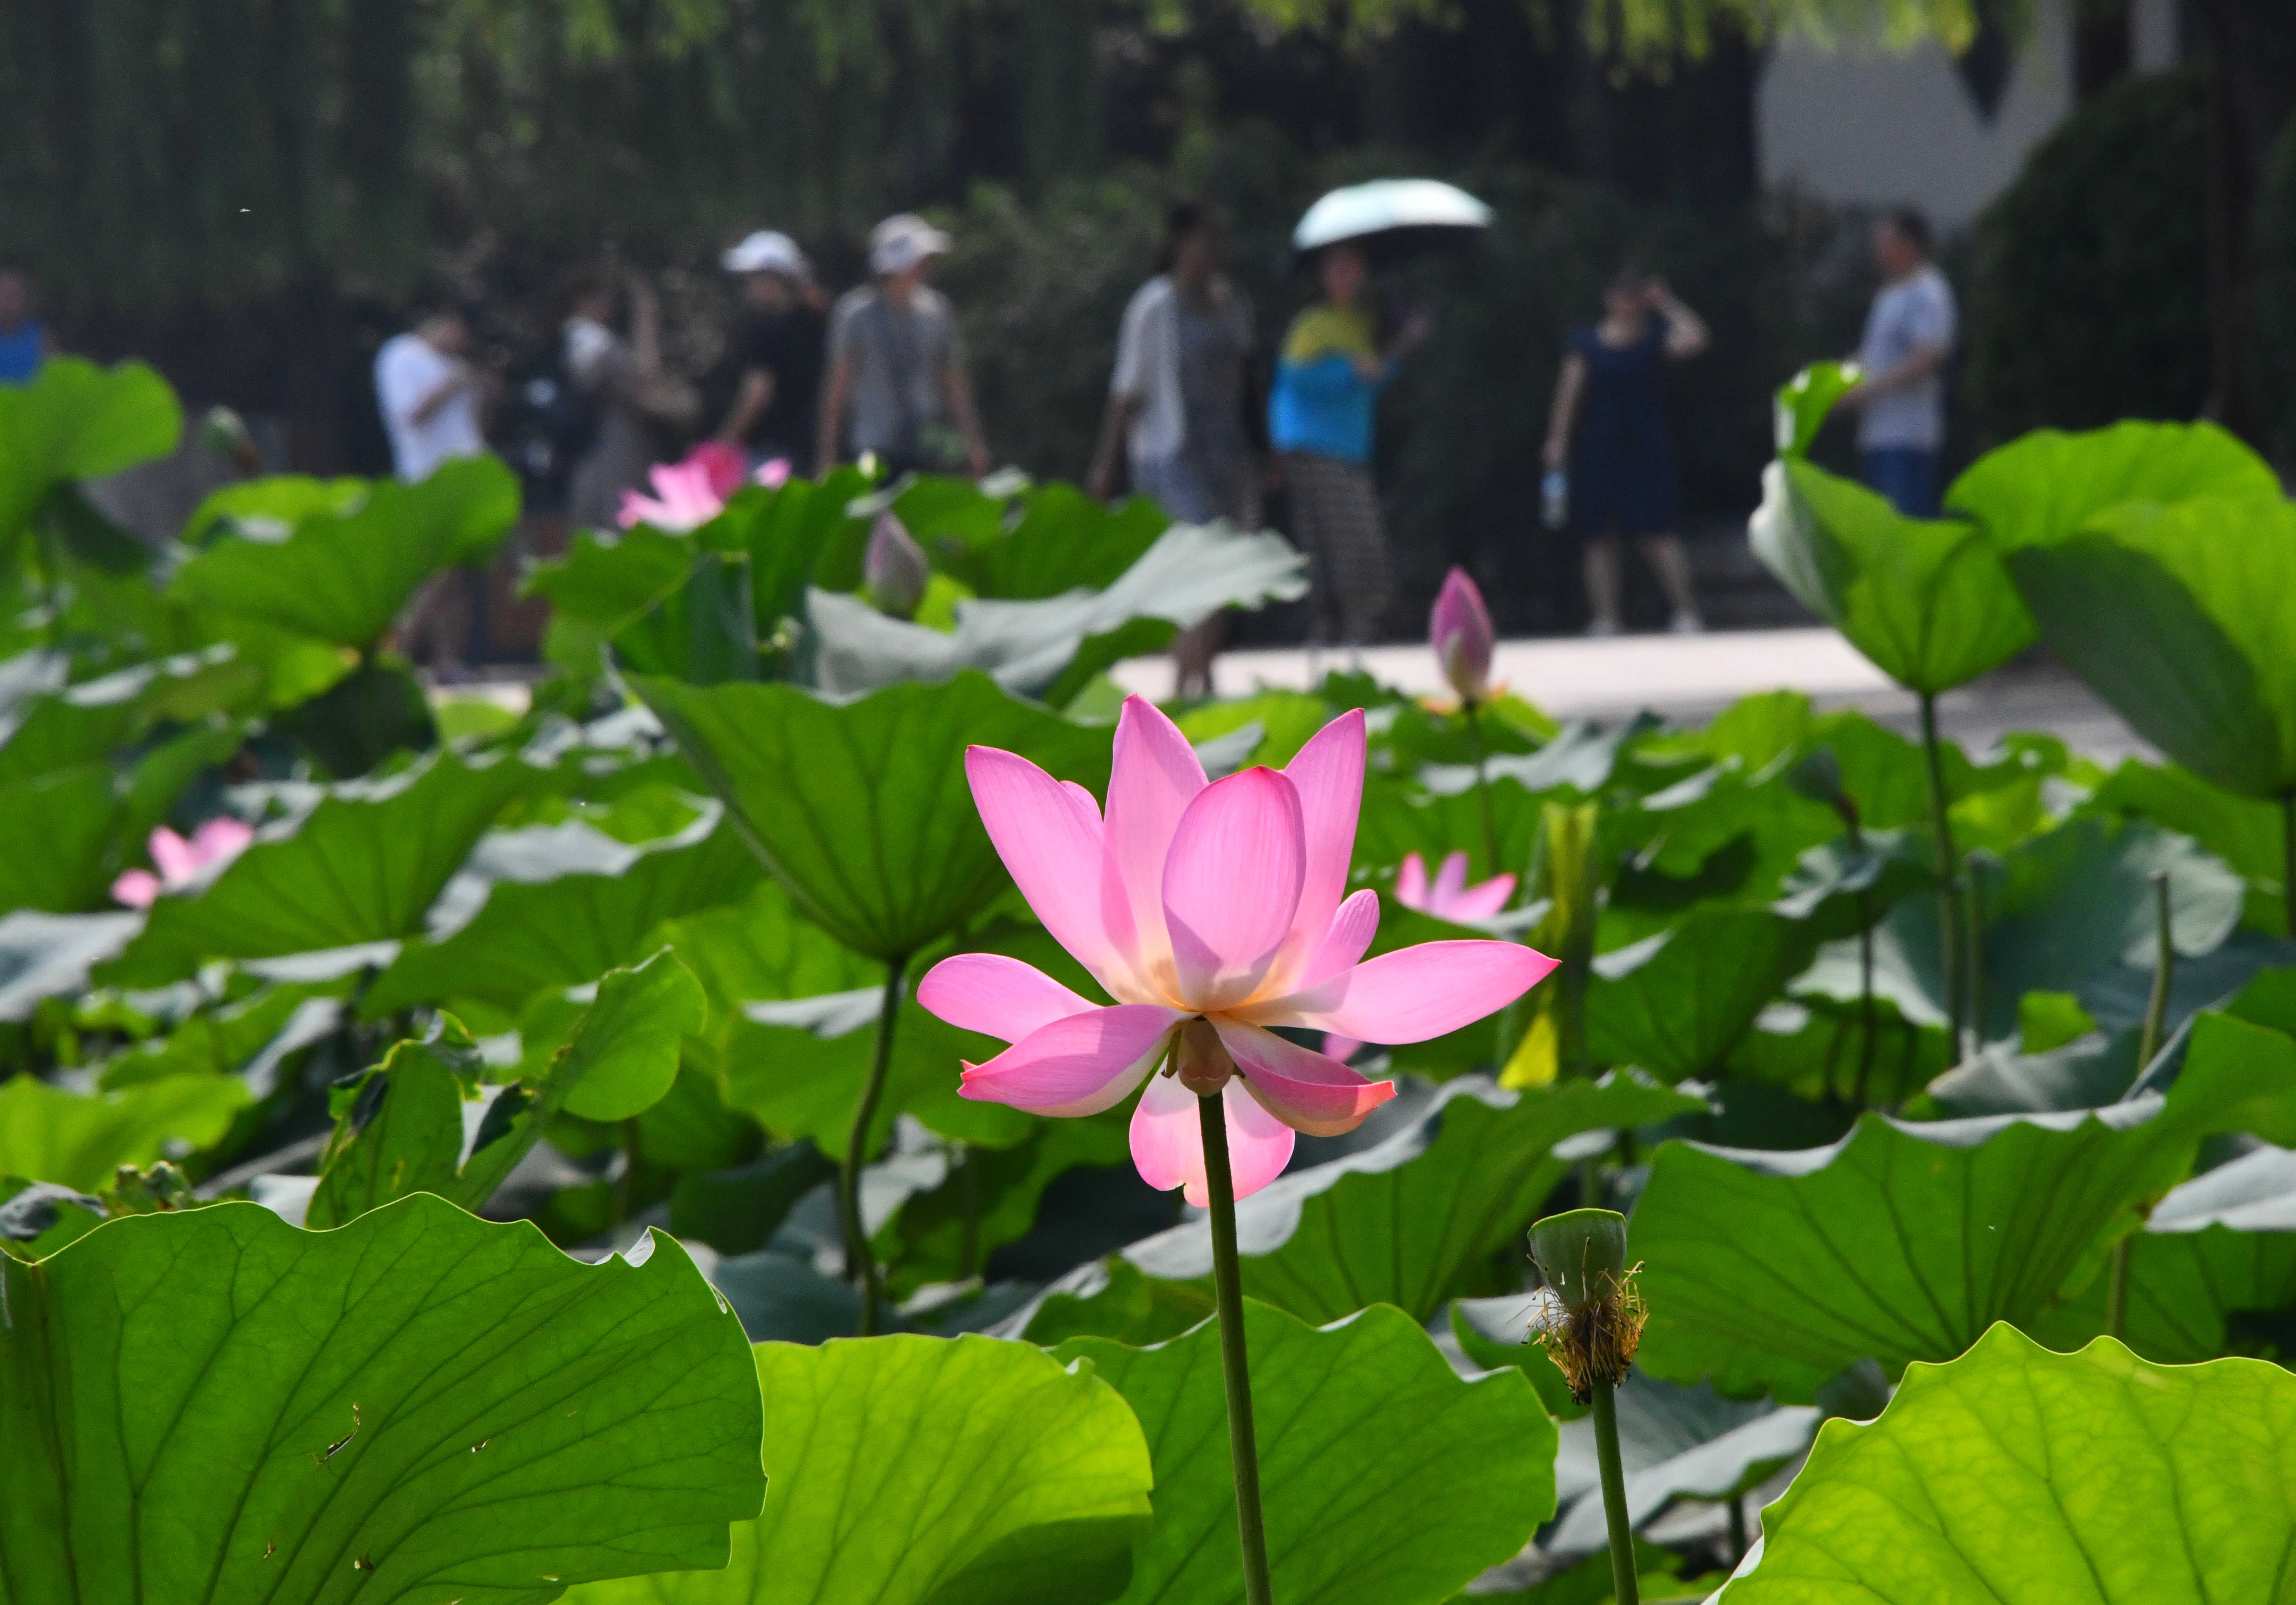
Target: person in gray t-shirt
pixel 897 382
pixel 1909 333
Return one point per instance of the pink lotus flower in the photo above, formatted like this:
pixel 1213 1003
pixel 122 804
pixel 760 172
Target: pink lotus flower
pixel 689 492
pixel 180 862
pixel 1211 911
pixel 1450 898
pixel 1460 631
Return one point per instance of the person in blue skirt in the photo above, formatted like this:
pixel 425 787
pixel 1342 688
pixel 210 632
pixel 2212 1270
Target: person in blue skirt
pixel 1608 426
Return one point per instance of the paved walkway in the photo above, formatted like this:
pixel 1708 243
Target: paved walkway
pixel 1689 678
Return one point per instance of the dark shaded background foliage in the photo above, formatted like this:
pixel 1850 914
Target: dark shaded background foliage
pixel 2088 278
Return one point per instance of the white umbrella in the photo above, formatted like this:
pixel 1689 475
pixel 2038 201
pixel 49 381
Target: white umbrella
pixel 1395 214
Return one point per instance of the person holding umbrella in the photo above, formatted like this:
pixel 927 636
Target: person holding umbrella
pixel 1328 376
pixel 1321 415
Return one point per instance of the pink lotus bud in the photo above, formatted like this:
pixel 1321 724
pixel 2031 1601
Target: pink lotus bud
pixel 895 567
pixel 723 466
pixel 772 475
pixel 1459 629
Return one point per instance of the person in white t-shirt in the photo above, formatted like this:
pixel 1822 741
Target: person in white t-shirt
pixel 1909 334
pixel 430 395
pixel 1179 400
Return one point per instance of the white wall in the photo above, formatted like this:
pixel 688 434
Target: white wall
pixel 1858 123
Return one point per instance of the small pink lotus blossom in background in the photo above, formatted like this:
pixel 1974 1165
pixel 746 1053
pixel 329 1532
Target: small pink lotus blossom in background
pixel 1212 911
pixel 1459 629
pixel 689 492
pixel 180 862
pixel 683 498
pixel 1450 898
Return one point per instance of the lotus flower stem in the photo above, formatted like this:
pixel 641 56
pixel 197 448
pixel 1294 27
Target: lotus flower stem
pixel 2156 1021
pixel 1869 1037
pixel 1973 960
pixel 1491 865
pixel 625 1189
pixel 1737 1529
pixel 860 1262
pixel 1948 865
pixel 2164 971
pixel 1228 1286
pixel 1626 1588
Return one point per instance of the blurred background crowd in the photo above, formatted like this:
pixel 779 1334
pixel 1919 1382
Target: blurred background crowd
pixel 598 234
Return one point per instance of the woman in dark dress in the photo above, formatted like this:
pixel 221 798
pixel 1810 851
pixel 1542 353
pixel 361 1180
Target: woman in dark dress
pixel 1611 395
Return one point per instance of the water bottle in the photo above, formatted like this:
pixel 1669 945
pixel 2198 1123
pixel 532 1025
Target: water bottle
pixel 1554 497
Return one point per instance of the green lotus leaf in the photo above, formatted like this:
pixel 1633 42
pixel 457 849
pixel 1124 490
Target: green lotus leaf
pixel 1799 407
pixel 1029 646
pixel 1675 1442
pixel 43 955
pixel 2247 834
pixel 2014 1473
pixel 762 948
pixel 530 934
pixel 861 808
pixel 59 726
pixel 80 1140
pixel 399 1128
pixel 2171 614
pixel 2068 911
pixel 1815 1048
pixel 1927 601
pixel 72 814
pixel 1388 1479
pixel 797 1068
pixel 1435 1212
pixel 2044 486
pixel 212 1406
pixel 623 1056
pixel 1676 1004
pixel 911 1470
pixel 76 420
pixel 36 1218
pixel 362 866
pixel 1904 1242
pixel 2221 1246
pixel 990 1197
pixel 344 572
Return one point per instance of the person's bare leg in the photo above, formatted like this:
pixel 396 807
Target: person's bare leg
pixel 1671 563
pixel 1600 563
pixel 1193 652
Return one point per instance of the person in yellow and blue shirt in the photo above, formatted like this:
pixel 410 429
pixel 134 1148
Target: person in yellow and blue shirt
pixel 1321 416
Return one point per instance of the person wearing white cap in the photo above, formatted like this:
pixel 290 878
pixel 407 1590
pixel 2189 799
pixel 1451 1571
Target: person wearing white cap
pixel 771 379
pixel 897 380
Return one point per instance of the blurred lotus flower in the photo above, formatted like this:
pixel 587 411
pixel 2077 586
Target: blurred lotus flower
pixel 1211 911
pixel 1459 629
pixel 895 567
pixel 1450 898
pixel 689 492
pixel 180 862
pixel 683 498
pixel 724 465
